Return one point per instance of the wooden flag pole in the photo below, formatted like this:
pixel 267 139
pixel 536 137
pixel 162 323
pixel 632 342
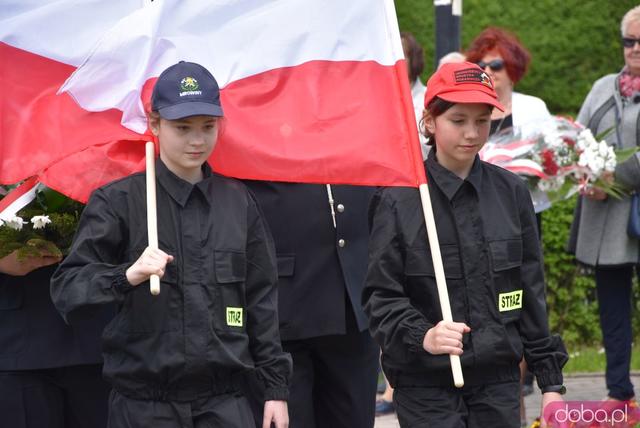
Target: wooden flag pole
pixel 152 215
pixel 441 283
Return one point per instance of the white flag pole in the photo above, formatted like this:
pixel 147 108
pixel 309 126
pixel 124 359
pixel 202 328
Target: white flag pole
pixel 441 283
pixel 432 234
pixel 152 215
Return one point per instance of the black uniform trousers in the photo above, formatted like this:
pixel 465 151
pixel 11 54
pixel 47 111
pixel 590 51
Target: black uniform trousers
pixel 229 410
pixel 482 406
pixel 66 397
pixel 334 380
pixel 333 384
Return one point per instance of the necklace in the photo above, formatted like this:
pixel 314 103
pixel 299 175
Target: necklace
pixel 507 112
pixel 499 127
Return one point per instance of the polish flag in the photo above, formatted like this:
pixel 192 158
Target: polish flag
pixel 313 91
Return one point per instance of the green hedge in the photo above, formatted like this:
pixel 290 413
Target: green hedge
pixel 572 43
pixel 573 310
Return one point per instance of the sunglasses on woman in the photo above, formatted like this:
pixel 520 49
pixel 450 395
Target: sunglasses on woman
pixel 495 65
pixel 628 42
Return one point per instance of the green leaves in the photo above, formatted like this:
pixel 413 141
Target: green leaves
pixel 565 191
pixel 51 201
pixel 571 301
pixel 624 154
pixel 55 238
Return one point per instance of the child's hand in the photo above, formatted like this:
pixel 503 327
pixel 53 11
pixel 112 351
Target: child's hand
pixel 547 398
pixel 445 338
pixel 151 262
pixel 275 411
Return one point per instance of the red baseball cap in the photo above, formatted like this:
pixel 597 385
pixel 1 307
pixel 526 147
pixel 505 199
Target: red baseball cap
pixel 462 82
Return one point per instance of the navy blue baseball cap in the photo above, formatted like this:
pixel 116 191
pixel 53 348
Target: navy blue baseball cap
pixel 186 89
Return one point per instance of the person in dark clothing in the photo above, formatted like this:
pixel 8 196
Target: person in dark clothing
pixel 492 262
pixel 175 359
pixel 50 372
pixel 321 239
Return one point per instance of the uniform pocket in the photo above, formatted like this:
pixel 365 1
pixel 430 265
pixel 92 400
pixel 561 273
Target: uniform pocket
pixel 144 313
pixel 230 302
pixel 286 264
pixel 506 261
pixel 419 262
pixel 421 282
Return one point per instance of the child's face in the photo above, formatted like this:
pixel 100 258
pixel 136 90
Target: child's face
pixel 460 133
pixel 185 144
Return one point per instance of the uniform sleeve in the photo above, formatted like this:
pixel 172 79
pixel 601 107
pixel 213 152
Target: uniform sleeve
pixel 545 353
pixel 395 324
pixel 92 274
pixel 273 365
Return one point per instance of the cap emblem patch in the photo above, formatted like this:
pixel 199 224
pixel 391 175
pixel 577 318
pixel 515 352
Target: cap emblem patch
pixel 486 80
pixel 189 86
pixel 472 75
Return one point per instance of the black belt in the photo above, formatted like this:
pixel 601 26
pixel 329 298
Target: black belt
pixel 188 391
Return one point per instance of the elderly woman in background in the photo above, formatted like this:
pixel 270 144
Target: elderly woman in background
pixel 601 239
pixel 506 61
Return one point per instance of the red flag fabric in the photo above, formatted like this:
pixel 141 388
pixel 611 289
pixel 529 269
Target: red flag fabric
pixel 313 91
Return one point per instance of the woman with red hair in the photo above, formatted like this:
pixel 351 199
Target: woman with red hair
pixel 506 61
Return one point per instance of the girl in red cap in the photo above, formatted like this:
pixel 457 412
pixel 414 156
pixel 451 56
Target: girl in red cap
pixel 493 267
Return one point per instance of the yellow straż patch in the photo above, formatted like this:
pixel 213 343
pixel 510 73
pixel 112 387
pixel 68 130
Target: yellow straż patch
pixel 510 301
pixel 234 317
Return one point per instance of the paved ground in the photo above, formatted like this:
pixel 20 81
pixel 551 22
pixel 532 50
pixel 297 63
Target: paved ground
pixel 579 387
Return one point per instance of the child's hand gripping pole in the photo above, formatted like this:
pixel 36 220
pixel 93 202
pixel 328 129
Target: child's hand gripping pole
pixel 152 216
pixel 441 283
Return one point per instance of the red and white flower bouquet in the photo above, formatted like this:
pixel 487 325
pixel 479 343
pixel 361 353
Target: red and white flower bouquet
pixel 561 159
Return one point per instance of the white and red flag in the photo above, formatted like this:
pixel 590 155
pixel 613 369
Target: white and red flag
pixel 313 91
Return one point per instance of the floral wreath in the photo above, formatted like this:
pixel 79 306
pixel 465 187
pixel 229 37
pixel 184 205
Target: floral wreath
pixel 44 227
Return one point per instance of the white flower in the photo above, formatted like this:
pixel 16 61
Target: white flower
pixel 584 158
pixel 553 140
pixel 40 221
pixel 14 222
pixel 597 166
pixel 587 136
pixel 551 184
pixel 603 149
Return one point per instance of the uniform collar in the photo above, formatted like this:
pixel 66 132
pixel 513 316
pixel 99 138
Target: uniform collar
pixel 180 189
pixel 447 181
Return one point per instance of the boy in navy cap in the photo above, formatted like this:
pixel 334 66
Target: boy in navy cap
pixel 174 359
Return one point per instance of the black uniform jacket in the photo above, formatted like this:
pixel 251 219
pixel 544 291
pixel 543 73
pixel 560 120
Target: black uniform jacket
pixel 493 267
pixel 33 335
pixel 321 268
pixel 216 313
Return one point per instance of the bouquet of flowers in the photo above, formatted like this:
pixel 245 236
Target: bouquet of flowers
pixel 45 227
pixel 561 159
